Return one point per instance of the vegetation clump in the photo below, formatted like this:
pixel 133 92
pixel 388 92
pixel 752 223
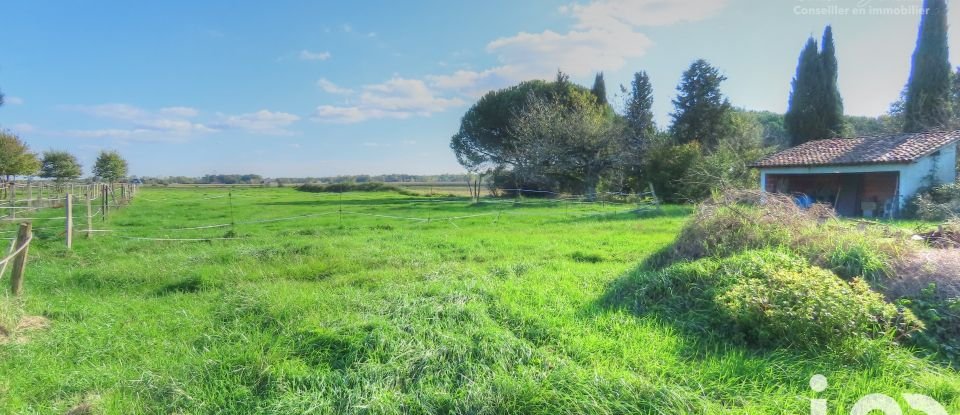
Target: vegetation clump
pixel 353 187
pixel 736 221
pixel 768 298
pixel 937 203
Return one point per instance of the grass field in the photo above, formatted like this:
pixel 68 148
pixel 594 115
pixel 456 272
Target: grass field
pixel 355 313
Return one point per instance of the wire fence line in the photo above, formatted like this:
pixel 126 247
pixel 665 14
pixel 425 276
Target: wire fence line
pixel 642 201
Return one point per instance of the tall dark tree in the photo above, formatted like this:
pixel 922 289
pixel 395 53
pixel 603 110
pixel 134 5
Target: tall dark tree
pixel 599 89
pixel 831 107
pixel 639 107
pixel 701 112
pixel 927 104
pixel 802 119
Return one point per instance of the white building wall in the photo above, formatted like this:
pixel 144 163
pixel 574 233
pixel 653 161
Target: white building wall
pixel 913 176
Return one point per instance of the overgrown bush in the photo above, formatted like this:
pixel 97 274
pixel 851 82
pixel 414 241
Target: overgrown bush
pixel 942 318
pixel 767 298
pixel 353 187
pixel 736 221
pixel 939 203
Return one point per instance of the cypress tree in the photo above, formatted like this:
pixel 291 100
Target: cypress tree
pixel 927 104
pixel 600 89
pixel 639 111
pixel 802 119
pixel 831 105
pixel 701 112
pixel 955 93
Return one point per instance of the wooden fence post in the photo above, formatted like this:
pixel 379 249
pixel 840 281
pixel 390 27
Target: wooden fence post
pixel 13 201
pixel 68 201
pixel 89 217
pixel 20 262
pixel 104 203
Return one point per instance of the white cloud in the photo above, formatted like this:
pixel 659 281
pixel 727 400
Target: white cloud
pixel 633 13
pixel 177 123
pixel 13 100
pixel 604 37
pixel 332 88
pixel 260 122
pixel 346 28
pixel 185 112
pixel 23 128
pixel 314 56
pixel 396 98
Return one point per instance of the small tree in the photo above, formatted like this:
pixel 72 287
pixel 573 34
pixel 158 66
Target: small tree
pixel 60 166
pixel 600 89
pixel 15 158
pixel 110 167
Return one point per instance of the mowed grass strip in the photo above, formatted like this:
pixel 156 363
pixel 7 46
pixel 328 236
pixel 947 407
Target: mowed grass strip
pixel 389 308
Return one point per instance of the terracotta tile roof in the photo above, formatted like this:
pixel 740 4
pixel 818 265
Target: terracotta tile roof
pixel 890 149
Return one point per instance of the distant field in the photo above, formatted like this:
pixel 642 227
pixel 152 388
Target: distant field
pixel 386 304
pixel 459 189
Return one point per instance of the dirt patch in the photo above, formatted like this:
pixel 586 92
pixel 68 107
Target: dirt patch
pixel 26 326
pixel 942 238
pixel 82 409
pixel 917 271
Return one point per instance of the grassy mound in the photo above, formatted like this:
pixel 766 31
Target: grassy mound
pixel 353 187
pixel 735 222
pixel 767 298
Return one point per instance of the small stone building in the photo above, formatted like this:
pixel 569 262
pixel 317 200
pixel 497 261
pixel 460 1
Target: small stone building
pixel 864 176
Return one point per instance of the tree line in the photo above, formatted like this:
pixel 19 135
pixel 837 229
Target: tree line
pixel 17 160
pixel 559 136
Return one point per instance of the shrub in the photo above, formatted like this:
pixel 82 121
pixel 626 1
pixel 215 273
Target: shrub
pixel 811 306
pixel 942 318
pixel 767 298
pixel 938 203
pixel 736 221
pixel 353 187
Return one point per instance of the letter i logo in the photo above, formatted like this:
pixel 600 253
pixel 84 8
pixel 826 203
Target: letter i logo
pixel 819 384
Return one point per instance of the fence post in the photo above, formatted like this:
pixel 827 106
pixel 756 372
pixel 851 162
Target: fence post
pixel 13 201
pixel 68 201
pixel 89 217
pixel 20 262
pixel 104 204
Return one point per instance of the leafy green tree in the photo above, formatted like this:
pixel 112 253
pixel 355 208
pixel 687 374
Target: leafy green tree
pixel 16 159
pixel 728 165
pixel 927 103
pixel 570 143
pixel 110 167
pixel 666 164
pixel 600 89
pixel 831 105
pixel 486 141
pixel 60 166
pixel 802 119
pixel 701 112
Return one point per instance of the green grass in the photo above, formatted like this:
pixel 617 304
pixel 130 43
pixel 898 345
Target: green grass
pixel 502 313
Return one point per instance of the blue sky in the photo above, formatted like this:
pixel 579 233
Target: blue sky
pixel 298 88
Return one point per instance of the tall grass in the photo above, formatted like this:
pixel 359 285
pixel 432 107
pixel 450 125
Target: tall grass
pixel 362 314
